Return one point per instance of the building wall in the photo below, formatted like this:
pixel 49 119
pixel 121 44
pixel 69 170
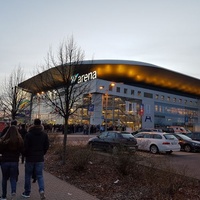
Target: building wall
pixel 150 108
pixel 158 108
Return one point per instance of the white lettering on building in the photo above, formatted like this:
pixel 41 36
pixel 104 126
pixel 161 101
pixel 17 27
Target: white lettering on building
pixel 84 77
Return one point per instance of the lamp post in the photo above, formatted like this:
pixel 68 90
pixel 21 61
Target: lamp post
pixel 111 85
pixel 39 96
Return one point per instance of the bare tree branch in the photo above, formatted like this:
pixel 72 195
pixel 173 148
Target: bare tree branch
pixel 12 98
pixel 59 83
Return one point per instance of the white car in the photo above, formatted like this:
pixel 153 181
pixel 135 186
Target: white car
pixel 157 142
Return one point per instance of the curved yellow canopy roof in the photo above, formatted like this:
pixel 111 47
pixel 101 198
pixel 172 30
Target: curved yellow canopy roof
pixel 132 72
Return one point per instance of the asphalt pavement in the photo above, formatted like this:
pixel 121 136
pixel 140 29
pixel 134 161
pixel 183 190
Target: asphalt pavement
pixel 55 188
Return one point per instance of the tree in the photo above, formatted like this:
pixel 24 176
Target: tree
pixel 13 100
pixel 58 83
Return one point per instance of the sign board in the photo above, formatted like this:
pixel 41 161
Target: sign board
pixel 91 108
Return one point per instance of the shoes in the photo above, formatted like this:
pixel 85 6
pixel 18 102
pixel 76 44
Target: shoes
pixel 42 196
pixel 25 195
pixel 13 195
pixel 2 198
pixel 34 180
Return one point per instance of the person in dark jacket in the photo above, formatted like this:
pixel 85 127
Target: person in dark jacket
pixel 36 144
pixel 11 146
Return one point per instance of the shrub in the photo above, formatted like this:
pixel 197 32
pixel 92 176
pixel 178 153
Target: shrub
pixel 54 140
pixel 123 161
pixel 80 157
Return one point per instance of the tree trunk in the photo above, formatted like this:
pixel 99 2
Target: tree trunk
pixel 65 141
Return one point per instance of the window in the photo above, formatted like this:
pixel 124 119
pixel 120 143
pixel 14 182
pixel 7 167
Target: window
pixel 156 136
pixel 140 135
pixel 162 97
pixel 147 136
pixel 118 89
pixel 148 95
pixel 132 92
pixel 156 96
pixel 139 93
pixel 111 135
pixel 156 108
pixel 168 98
pixel 125 90
pixel 174 100
pixel 104 134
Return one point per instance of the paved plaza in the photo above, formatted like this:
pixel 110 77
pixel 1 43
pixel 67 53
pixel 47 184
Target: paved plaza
pixel 55 189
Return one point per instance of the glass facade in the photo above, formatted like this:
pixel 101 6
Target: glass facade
pixel 168 114
pixel 126 106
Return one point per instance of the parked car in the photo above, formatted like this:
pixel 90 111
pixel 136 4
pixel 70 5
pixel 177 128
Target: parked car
pixel 194 135
pixel 187 144
pixel 180 129
pixel 113 141
pixel 156 142
pixel 168 130
pixel 147 130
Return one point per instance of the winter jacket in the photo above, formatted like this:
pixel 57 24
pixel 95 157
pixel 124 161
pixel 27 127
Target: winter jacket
pixel 10 156
pixel 8 153
pixel 36 144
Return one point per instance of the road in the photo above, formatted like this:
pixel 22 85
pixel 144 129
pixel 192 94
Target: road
pixel 181 162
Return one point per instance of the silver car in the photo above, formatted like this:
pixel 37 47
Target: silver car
pixel 156 142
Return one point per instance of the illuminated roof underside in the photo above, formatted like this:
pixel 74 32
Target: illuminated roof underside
pixel 130 72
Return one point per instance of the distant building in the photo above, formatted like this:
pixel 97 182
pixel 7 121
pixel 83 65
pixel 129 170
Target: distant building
pixel 143 95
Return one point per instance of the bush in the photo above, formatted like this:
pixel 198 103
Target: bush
pixel 80 157
pixel 124 161
pixel 123 175
pixel 54 140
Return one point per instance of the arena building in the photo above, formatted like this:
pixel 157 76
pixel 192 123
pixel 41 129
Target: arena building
pixel 134 94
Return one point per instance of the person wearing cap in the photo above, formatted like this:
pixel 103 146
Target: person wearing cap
pixel 36 144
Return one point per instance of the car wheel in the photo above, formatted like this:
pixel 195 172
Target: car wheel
pixel 153 149
pixel 187 148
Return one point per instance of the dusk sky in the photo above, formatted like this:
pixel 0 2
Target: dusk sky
pixel 165 33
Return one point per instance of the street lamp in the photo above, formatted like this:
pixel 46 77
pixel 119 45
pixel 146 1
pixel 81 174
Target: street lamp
pixel 111 85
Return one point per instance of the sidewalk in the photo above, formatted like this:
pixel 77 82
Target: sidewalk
pixel 55 189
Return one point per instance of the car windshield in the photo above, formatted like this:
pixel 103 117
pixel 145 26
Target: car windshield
pixel 184 137
pixel 169 136
pixel 127 135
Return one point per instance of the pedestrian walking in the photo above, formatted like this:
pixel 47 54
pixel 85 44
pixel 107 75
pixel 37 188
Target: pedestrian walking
pixel 23 131
pixel 11 146
pixel 36 144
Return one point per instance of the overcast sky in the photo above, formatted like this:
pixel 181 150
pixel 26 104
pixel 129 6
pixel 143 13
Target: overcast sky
pixel 161 32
